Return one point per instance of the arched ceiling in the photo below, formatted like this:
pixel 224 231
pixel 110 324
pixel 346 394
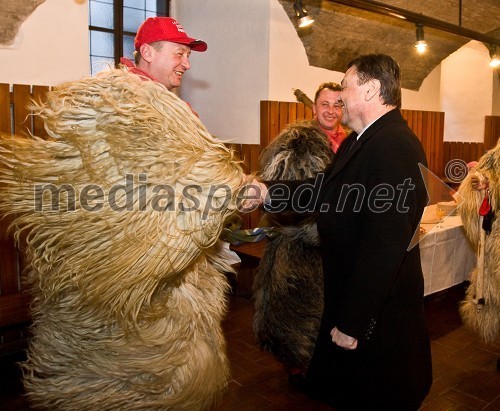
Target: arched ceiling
pixel 12 15
pixel 341 33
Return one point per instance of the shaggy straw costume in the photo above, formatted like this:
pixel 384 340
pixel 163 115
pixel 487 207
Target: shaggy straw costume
pixel 485 281
pixel 128 297
pixel 288 286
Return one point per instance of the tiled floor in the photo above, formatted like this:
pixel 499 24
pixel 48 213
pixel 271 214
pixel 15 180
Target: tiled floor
pixel 465 370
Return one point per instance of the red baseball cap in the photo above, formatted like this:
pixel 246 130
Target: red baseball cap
pixel 165 29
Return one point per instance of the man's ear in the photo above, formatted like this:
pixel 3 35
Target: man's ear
pixel 146 52
pixel 372 89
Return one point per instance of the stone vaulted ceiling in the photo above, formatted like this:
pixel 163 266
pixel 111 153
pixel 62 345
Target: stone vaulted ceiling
pixel 341 33
pixel 12 15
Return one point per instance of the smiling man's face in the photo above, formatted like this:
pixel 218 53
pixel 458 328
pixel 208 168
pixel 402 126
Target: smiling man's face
pixel 169 62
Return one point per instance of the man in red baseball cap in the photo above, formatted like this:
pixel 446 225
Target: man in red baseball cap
pixel 162 50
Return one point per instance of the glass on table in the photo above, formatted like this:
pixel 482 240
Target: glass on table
pixel 440 213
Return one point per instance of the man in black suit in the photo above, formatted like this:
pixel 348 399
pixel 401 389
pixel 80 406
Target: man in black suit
pixel 373 349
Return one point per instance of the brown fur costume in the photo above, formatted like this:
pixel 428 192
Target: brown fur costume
pixel 127 302
pixel 288 286
pixel 484 319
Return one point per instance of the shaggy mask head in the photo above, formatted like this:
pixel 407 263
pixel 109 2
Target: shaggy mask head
pixel 288 285
pixel 299 152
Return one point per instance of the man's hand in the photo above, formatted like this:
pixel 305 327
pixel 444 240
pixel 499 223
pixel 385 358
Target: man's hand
pixel 343 340
pixel 478 181
pixel 252 195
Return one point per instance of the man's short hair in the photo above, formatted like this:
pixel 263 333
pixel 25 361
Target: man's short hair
pixel 384 69
pixel 157 45
pixel 328 85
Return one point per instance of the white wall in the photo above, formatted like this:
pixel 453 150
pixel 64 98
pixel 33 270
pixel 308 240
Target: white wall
pixel 288 65
pixel 254 54
pixel 53 45
pixel 466 92
pixel 427 97
pixel 226 83
pixel 289 68
pixel 495 111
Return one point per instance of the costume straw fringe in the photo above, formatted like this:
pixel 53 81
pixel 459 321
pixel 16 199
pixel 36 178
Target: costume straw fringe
pixel 484 319
pixel 128 300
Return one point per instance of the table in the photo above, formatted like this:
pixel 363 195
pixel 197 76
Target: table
pixel 446 254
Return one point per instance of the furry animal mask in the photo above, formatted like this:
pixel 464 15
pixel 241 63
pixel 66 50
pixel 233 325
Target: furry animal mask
pixel 484 318
pixel 288 285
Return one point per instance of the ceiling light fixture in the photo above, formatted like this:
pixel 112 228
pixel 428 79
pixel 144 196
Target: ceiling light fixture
pixel 301 13
pixel 389 10
pixel 494 55
pixel 421 44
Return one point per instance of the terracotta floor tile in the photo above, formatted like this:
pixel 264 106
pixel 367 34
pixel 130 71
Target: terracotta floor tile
pixel 465 399
pixel 465 375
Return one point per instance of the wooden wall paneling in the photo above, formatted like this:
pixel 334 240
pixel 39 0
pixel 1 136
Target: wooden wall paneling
pixel 426 135
pixel 434 147
pixel 5 124
pixel 439 131
pixel 39 95
pixel 491 132
pixel 265 119
pixel 274 126
pixel 269 121
pixel 428 126
pixel 292 113
pixel 418 126
pixel 14 300
pixel 283 117
pixel 249 155
pixel 467 156
pixel 458 150
pixel 428 132
pixel 301 111
pixel 22 116
pixel 454 151
pixel 308 115
pixel 428 141
pixel 468 152
pixel 479 151
pixel 8 260
pixel 447 154
pixel 14 310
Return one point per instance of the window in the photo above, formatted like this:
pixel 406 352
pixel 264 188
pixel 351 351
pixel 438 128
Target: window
pixel 112 28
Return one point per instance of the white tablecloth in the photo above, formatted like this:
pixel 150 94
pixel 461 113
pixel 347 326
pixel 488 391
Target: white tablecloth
pixel 446 254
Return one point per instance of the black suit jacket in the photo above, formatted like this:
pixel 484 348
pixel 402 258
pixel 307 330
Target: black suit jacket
pixel 370 205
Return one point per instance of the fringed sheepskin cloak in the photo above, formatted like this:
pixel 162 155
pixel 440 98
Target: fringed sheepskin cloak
pixel 128 287
pixel 484 318
pixel 288 285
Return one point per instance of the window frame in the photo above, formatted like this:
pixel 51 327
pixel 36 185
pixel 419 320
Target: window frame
pixel 118 32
